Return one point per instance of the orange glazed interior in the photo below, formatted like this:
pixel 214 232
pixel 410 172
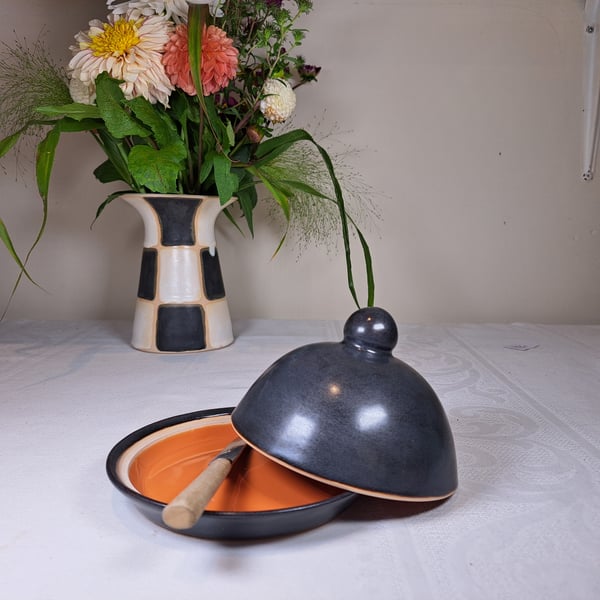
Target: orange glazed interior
pixel 255 483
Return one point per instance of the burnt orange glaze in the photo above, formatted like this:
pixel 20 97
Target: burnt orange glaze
pixel 255 483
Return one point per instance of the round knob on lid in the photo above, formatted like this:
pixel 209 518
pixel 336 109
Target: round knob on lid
pixel 372 329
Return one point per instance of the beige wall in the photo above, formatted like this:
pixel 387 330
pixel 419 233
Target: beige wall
pixel 468 118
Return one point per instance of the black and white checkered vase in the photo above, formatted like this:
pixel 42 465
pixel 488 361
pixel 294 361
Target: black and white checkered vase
pixel 181 304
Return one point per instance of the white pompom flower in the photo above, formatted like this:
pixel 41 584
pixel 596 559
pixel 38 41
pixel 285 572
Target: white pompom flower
pixel 171 9
pixel 81 92
pixel 177 10
pixel 279 100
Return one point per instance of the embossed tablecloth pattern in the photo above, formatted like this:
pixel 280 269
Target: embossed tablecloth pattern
pixel 522 401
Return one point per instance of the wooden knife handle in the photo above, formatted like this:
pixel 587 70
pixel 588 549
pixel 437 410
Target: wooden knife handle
pixel 186 508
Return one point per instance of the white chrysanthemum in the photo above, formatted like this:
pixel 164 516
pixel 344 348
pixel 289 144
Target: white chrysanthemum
pixel 279 100
pixel 127 48
pixel 171 9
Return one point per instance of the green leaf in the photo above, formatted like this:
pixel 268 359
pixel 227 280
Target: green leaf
pixel 302 187
pixel 68 125
pixel 180 108
pixel 106 202
pixel 227 182
pixel 217 127
pixel 156 170
pixel 46 152
pixel 11 249
pixel 110 99
pixel 246 195
pixel 281 241
pixel 8 142
pixel 75 111
pixel 107 172
pixel 232 220
pixel 197 17
pixel 163 128
pixel 247 199
pixel 23 271
pixel 345 235
pixel 230 134
pixel 271 149
pixel 207 166
pixel 117 154
pixel 280 195
pixel 368 266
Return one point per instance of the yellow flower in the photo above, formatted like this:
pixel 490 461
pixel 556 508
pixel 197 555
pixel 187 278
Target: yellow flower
pixel 129 49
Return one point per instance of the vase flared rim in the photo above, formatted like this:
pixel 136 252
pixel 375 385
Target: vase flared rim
pixel 191 196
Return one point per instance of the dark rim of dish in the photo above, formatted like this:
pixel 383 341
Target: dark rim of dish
pixel 119 448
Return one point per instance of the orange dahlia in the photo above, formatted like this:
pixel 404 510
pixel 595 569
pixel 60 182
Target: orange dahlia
pixel 219 60
pixel 177 62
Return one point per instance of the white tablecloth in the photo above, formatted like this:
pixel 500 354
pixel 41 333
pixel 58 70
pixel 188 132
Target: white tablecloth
pixel 524 524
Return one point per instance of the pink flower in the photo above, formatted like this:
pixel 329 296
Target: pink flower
pixel 219 60
pixel 177 62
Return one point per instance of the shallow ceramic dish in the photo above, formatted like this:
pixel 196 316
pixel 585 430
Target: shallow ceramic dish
pixel 259 498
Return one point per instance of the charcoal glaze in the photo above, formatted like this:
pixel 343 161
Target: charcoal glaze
pixel 351 414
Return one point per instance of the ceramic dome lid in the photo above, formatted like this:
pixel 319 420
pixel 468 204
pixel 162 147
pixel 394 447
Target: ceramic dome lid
pixel 352 415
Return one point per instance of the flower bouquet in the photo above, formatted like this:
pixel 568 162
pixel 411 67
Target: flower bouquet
pixel 183 98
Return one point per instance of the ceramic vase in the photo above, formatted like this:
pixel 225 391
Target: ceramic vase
pixel 181 304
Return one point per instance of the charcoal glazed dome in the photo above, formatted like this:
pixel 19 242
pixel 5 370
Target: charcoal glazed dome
pixel 351 414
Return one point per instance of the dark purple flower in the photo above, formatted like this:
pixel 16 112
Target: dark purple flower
pixel 276 3
pixel 308 72
pixel 225 102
